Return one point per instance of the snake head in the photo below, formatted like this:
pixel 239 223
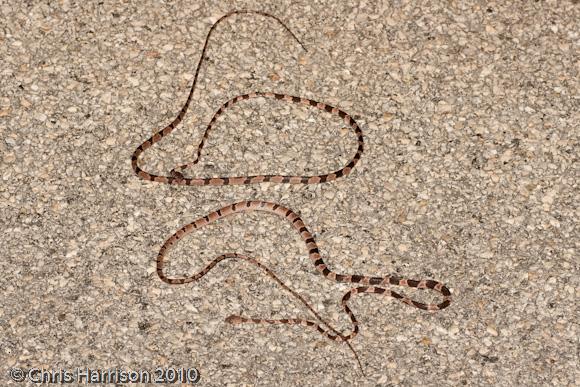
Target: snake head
pixel 175 174
pixel 234 319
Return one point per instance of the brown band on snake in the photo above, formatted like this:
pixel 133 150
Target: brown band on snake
pixel 176 177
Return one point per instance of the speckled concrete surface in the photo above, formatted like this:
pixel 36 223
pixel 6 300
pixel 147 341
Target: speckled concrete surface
pixel 470 176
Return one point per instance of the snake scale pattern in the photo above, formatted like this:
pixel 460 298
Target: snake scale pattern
pixel 369 284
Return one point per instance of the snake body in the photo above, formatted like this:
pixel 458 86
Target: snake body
pixel 176 177
pixel 370 284
pixel 373 284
